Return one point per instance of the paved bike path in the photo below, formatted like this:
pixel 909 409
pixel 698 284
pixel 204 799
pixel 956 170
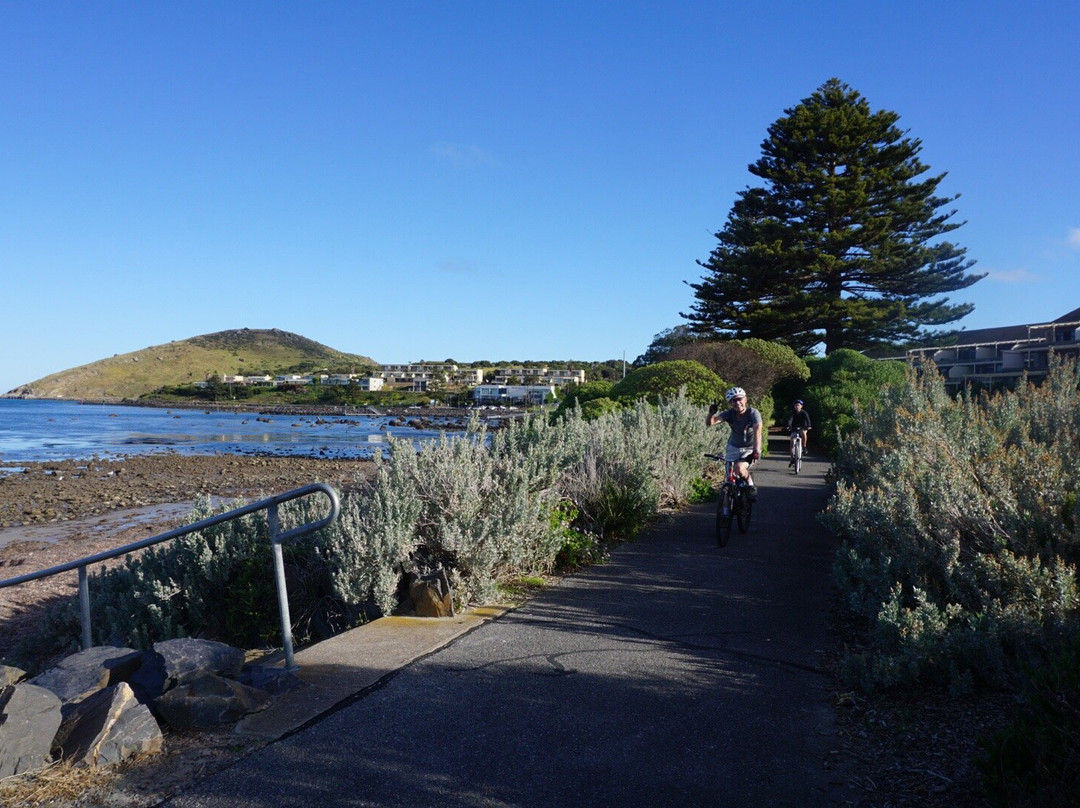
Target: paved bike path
pixel 676 674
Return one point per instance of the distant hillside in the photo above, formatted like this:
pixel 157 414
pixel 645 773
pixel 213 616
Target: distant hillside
pixel 246 351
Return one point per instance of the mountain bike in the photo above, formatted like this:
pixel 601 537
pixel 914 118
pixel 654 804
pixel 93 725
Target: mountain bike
pixel 733 503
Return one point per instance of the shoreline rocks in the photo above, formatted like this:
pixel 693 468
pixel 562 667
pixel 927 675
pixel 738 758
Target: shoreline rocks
pixel 92 710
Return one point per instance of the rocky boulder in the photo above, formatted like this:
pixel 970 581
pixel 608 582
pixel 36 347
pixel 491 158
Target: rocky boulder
pixel 10 675
pixel 95 707
pixel 82 674
pixel 209 701
pixel 29 718
pixel 107 727
pixel 430 594
pixel 187 659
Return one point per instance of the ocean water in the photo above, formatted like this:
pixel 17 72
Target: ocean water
pixel 39 430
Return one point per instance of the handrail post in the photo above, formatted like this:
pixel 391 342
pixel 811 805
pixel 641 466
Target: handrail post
pixel 282 593
pixel 84 607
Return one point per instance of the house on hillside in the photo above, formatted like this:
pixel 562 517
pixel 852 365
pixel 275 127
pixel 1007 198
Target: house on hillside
pixel 998 356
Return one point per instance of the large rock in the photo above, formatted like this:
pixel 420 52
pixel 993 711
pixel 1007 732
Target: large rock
pixel 107 727
pixel 10 675
pixel 184 660
pixel 431 596
pixel 209 701
pixel 29 718
pixel 150 681
pixel 79 675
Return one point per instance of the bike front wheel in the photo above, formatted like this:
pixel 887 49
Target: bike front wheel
pixel 723 517
pixel 744 506
pixel 797 450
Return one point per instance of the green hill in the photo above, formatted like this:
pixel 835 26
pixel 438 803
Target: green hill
pixel 245 352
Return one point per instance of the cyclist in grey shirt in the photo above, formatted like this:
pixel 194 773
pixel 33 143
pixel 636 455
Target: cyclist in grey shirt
pixel 744 442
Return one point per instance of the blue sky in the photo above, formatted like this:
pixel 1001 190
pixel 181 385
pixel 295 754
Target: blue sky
pixel 480 180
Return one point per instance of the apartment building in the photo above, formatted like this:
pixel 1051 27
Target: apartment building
pixel 513 393
pixel 419 374
pixel 556 377
pixel 999 356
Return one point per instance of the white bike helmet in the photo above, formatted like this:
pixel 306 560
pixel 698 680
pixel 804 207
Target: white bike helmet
pixel 735 392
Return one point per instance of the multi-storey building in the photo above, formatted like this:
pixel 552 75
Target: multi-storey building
pixel 513 393
pixel 419 374
pixel 998 356
pixel 556 377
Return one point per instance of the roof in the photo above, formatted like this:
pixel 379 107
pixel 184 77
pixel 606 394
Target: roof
pixel 1009 333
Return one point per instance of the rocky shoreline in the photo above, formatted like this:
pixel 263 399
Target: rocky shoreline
pixel 53 492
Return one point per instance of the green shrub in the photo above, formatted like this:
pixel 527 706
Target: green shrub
pixel 594 408
pixel 578 549
pixel 840 384
pixel 579 395
pixel 1035 760
pixel 754 364
pixel 665 379
pixel 785 363
pixel 701 490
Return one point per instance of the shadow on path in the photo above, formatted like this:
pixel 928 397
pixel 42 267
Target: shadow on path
pixel 678 673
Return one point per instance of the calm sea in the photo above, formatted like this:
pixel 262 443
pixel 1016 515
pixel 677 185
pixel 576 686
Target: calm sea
pixel 34 430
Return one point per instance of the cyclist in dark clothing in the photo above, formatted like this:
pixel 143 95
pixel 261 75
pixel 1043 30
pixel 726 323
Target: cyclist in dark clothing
pixel 800 420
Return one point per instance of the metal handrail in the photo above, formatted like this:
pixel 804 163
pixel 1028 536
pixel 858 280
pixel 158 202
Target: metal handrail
pixel 270 504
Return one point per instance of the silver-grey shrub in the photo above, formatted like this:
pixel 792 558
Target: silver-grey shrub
pixel 370 543
pixel 959 527
pixel 186 587
pixel 635 460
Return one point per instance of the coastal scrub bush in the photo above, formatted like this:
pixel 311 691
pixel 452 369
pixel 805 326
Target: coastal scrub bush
pixel 373 537
pixel 202 584
pixel 637 460
pixel 959 540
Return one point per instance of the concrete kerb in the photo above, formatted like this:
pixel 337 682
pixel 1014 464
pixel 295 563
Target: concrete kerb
pixel 336 669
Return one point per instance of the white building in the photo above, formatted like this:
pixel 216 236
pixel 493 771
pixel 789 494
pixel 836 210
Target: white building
pixel 521 374
pixel 419 374
pixel 365 383
pixel 513 393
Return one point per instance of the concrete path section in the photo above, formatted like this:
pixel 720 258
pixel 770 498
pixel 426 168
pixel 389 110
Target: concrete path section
pixel 337 669
pixel 676 674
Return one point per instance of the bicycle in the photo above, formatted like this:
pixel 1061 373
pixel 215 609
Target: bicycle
pixel 733 503
pixel 796 450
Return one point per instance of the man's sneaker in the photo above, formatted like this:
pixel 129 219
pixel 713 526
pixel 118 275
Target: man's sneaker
pixel 751 491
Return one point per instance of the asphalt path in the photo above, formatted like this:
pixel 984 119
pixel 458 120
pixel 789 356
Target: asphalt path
pixel 676 674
